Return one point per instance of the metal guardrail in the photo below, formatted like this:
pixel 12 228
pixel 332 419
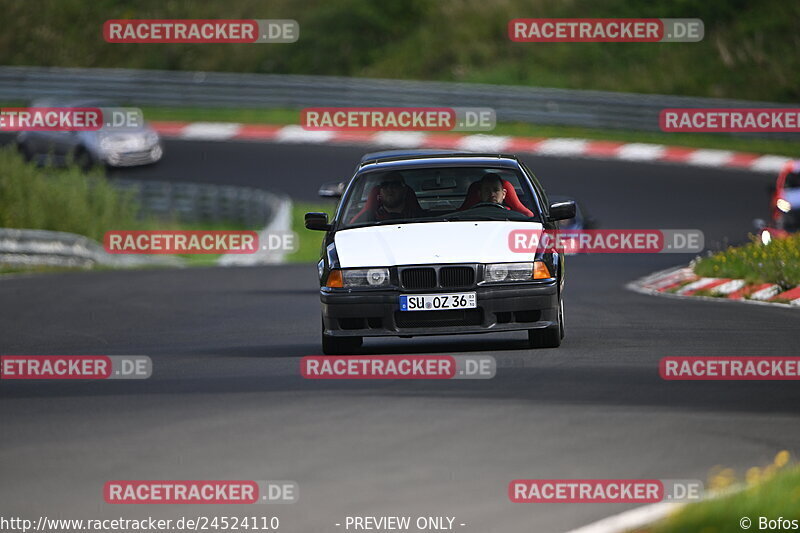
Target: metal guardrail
pixel 200 202
pixel 593 109
pixel 26 247
pixel 190 202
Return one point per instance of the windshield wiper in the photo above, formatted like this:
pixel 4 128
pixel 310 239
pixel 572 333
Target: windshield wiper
pixel 473 217
pixel 392 221
pixel 397 221
pixel 408 221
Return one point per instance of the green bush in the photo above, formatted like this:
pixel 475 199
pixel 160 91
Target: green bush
pixel 61 199
pixel 750 49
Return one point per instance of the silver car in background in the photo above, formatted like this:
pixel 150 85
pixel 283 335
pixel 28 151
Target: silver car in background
pixel 114 147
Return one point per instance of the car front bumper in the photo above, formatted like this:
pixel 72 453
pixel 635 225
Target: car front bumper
pixel 369 313
pixel 132 159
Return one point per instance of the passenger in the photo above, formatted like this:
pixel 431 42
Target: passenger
pixel 397 200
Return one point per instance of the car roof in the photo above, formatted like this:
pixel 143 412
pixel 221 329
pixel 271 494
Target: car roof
pixel 418 158
pixel 394 154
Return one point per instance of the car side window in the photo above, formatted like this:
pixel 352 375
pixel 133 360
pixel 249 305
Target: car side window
pixel 545 207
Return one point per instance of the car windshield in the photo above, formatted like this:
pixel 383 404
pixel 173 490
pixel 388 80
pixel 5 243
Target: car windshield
pixel 438 194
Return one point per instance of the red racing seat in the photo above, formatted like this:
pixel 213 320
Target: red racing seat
pixel 374 201
pixel 512 200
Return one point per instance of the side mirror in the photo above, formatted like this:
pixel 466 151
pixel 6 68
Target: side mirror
pixel 333 189
pixel 562 210
pixel 317 221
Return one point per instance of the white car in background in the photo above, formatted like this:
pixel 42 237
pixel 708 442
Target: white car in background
pixel 113 147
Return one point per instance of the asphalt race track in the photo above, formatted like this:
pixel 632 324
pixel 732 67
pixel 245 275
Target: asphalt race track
pixel 226 400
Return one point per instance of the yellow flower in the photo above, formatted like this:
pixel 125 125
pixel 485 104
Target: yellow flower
pixel 721 479
pixel 753 475
pixel 781 459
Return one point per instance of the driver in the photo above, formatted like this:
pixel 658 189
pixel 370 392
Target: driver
pixel 491 189
pixel 492 194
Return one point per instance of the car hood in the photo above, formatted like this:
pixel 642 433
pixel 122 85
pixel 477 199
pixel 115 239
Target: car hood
pixel 430 242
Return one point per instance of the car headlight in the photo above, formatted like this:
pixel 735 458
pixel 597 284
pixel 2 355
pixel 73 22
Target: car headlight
pixel 783 205
pixel 106 143
pixel 505 272
pixel 365 277
pixel 151 138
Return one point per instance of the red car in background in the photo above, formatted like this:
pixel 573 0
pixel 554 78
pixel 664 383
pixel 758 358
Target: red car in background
pixel 784 205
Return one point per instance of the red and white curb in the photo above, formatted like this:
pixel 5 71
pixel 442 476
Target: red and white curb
pixel 682 282
pixel 231 131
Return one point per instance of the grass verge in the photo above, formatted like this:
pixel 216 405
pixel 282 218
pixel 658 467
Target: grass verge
pixel 777 262
pixel 771 493
pixel 62 199
pixel 690 140
pixel 73 201
pixel 309 241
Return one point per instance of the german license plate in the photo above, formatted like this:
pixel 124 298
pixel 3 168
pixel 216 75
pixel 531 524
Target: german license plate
pixel 437 302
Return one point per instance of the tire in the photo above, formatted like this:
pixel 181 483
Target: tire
pixel 549 337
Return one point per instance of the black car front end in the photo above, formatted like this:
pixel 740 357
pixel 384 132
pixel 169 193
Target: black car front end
pixel 516 305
